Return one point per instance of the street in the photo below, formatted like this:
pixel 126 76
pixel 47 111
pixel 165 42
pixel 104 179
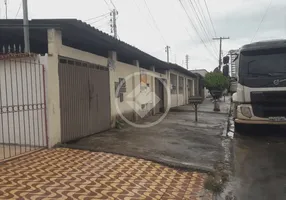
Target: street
pixel 259 164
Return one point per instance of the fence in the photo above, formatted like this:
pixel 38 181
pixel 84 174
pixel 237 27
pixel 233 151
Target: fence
pixel 22 103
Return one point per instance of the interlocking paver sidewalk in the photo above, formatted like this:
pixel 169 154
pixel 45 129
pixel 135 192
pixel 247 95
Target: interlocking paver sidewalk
pixel 76 174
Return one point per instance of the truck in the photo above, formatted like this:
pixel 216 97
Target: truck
pixel 261 84
pixel 233 85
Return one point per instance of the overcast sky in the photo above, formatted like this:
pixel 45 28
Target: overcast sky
pixel 237 19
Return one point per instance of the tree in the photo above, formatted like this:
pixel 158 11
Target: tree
pixel 216 83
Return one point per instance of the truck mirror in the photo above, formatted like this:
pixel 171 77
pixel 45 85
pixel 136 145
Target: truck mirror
pixel 226 60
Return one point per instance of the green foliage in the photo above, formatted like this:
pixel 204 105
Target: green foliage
pixel 216 81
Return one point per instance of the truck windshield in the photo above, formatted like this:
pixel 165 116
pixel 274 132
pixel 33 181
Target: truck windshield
pixel 270 62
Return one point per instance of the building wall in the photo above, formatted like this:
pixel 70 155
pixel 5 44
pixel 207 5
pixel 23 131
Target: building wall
pixel 125 105
pixel 179 99
pixel 117 71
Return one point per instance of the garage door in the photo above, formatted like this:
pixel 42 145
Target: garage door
pixel 84 99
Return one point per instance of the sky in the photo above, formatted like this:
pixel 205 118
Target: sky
pixel 151 25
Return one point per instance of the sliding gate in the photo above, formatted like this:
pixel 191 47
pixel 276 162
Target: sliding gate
pixel 84 99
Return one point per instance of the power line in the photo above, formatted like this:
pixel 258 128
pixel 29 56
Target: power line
pixel 101 19
pixel 18 10
pixel 113 5
pixel 193 25
pixel 210 16
pixel 94 22
pixel 107 5
pixel 100 16
pixel 206 21
pixel 202 13
pixel 203 27
pixel 154 21
pixel 263 17
pixel 102 25
pixel 142 14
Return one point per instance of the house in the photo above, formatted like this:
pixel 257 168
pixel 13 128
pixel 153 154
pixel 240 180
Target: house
pixel 92 79
pixel 201 74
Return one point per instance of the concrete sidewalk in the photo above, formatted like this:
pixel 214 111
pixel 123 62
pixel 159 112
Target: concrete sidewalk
pixel 177 141
pixel 207 106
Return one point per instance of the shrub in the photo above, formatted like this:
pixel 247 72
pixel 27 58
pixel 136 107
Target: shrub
pixel 216 81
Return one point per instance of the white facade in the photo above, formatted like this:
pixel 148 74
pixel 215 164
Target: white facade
pixel 180 93
pixel 118 71
pixel 203 73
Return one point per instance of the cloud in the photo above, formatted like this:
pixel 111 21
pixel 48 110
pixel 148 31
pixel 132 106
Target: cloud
pixel 237 19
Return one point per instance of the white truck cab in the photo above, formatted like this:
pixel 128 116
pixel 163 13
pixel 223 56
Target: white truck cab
pixel 261 84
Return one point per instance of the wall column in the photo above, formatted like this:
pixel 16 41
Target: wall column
pixel 112 57
pixel 153 89
pixel 52 88
pixel 178 89
pixel 167 91
pixel 136 83
pixel 185 91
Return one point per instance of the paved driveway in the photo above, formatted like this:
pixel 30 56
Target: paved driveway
pixel 177 141
pixel 77 174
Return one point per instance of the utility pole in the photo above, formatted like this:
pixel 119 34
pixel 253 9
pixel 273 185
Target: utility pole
pixel 6 9
pixel 167 50
pixel 187 61
pixel 113 24
pixel 220 48
pixel 26 26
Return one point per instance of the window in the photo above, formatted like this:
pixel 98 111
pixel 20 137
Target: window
pixel 174 84
pixel 270 62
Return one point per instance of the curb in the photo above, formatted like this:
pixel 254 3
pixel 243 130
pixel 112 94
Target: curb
pixel 169 163
pixel 192 111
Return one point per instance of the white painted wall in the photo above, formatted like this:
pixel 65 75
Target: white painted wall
pixel 126 71
pixel 22 117
pixel 121 70
pixel 181 99
pixel 69 52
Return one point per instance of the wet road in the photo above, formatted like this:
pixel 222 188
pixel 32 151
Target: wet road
pixel 260 164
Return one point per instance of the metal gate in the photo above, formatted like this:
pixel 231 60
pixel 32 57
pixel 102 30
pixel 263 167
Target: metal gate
pixel 23 105
pixel 84 99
